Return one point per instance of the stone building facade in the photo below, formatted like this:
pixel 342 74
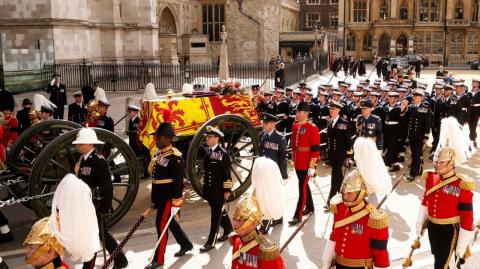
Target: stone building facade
pixel 432 28
pixel 172 30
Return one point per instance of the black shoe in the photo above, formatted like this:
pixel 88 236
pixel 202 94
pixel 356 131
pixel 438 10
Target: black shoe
pixel 4 238
pixel 307 212
pixel 410 178
pixel 223 237
pixel 395 168
pixel 153 265
pixel 294 221
pixel 182 251
pixel 475 144
pixel 206 248
pixel 277 222
pixel 119 266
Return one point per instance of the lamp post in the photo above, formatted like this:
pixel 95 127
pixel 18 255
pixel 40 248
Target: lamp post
pixel 187 72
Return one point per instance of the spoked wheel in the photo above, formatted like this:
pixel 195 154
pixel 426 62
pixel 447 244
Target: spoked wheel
pixel 241 143
pixel 59 158
pixel 28 145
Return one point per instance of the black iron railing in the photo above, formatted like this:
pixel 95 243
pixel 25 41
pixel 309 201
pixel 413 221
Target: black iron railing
pixel 132 75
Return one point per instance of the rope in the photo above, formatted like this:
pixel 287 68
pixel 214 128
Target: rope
pixel 118 250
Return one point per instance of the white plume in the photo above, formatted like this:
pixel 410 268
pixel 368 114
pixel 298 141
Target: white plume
pixel 453 136
pixel 268 186
pixel 78 227
pixel 371 166
pixel 100 95
pixel 40 100
pixel 150 92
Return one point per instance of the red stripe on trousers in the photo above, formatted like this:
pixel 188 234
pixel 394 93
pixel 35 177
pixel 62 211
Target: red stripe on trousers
pixel 163 243
pixel 304 200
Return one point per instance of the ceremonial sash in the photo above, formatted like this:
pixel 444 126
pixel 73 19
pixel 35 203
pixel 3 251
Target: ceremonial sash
pixel 442 184
pixel 360 214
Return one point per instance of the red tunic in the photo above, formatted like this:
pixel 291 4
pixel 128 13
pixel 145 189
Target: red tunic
pixel 2 148
pixel 451 203
pixel 10 133
pixel 250 259
pixel 362 242
pixel 305 144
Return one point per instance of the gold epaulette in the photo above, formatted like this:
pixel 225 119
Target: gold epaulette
pixel 334 202
pixel 176 152
pixel 466 184
pixel 378 219
pixel 269 250
pixel 151 165
pixel 425 173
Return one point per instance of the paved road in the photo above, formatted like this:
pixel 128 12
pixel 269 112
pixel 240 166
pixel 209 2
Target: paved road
pixel 304 251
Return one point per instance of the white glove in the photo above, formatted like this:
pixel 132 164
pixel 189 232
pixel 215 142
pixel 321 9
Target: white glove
pixel 421 218
pixel 52 82
pixel 311 172
pixel 65 106
pixel 174 210
pixel 285 182
pixel 328 254
pixel 464 239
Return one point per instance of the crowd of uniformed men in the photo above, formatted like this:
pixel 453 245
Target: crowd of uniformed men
pixel 323 125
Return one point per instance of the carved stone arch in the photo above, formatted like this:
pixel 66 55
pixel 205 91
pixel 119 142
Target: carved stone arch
pixel 167 20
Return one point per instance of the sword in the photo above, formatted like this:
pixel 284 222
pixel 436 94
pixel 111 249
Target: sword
pixel 150 259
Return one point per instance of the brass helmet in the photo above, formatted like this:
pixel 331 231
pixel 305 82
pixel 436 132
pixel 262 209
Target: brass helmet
pixel 248 211
pixel 41 234
pixel 92 105
pixel 442 154
pixel 354 182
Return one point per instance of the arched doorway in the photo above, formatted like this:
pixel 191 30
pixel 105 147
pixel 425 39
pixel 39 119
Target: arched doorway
pixel 167 22
pixel 167 35
pixel 384 46
pixel 402 45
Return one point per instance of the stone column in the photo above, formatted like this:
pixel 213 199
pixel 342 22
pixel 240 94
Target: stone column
pixel 393 47
pixel 410 45
pixel 3 47
pixel 223 73
pixel 341 25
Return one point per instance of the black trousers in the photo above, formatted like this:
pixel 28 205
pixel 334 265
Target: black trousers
pixel 443 240
pixel 163 214
pixel 472 124
pixel 3 219
pixel 218 218
pixel 416 146
pixel 436 136
pixel 305 200
pixel 391 141
pixel 58 112
pixel 337 177
pixel 110 245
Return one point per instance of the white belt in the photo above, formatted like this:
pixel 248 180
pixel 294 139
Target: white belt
pixel 476 105
pixel 464 108
pixel 280 115
pixel 324 117
pixel 391 122
pixel 292 116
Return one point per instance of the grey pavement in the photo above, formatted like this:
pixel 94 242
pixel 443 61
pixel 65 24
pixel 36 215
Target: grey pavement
pixel 304 251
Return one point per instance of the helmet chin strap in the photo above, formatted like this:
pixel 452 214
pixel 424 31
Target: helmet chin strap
pixel 360 196
pixel 447 168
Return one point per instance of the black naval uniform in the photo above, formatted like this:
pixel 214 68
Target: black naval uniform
pixel 444 107
pixel 106 122
pixel 339 145
pixel 270 107
pixel 94 171
pixel 419 123
pixel 324 115
pixel 167 170
pixel 461 109
pixel 474 115
pixel 314 114
pixel 282 112
pixel 217 181
pixel 23 119
pixel 274 146
pixel 77 113
pixel 371 127
pixel 58 95
pixel 392 138
pixel 133 141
